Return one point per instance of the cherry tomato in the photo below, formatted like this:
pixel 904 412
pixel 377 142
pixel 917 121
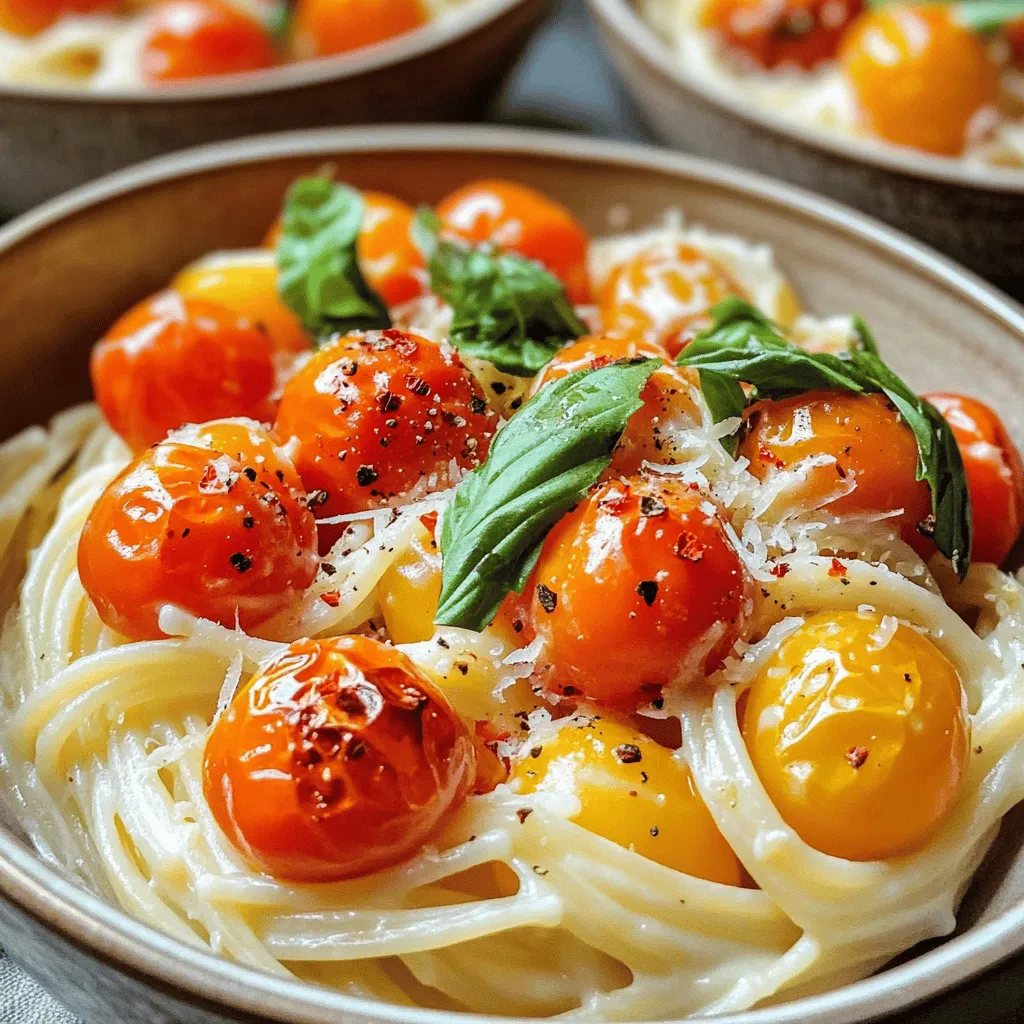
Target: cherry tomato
pixel 171 361
pixel 859 737
pixel 664 296
pixel 874 451
pixel 995 475
pixel 1014 32
pixel 521 220
pixel 338 759
pixel 200 38
pixel 323 27
pixel 27 17
pixel 380 417
pixel 775 32
pixel 212 520
pixel 918 76
pixel 637 588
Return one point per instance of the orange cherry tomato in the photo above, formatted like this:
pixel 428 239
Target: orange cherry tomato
pixel 664 296
pixel 995 474
pixel 323 27
pixel 338 759
pixel 919 76
pixel 200 38
pixel 391 264
pixel 523 221
pixel 27 17
pixel 171 361
pixel 875 453
pixel 637 588
pixel 213 520
pixel 792 32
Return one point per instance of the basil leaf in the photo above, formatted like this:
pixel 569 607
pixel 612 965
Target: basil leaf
pixel 505 309
pixel 743 346
pixel 539 466
pixel 725 398
pixel 279 21
pixel 977 15
pixel 320 279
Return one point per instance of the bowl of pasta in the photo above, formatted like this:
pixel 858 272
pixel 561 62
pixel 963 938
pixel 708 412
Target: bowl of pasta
pixel 912 113
pixel 89 86
pixel 470 571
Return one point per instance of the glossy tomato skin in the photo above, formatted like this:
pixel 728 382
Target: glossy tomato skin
pixel 338 759
pixel 380 415
pixel 800 33
pixel 190 39
pixel 521 220
pixel 171 361
pixel 638 588
pixel 323 27
pixel 27 17
pixel 995 474
pixel 212 520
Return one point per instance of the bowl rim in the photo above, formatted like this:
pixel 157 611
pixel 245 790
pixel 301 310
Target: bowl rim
pixel 104 931
pixel 622 19
pixel 439 31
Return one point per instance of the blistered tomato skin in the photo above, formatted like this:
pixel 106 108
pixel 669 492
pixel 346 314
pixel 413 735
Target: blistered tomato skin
pixel 874 453
pixel 212 520
pixel 27 17
pixel 663 295
pixel 380 415
pixel 857 729
pixel 189 39
pixel 638 588
pixel 337 760
pixel 634 793
pixel 323 27
pixel 918 76
pixel 171 361
pixel 523 221
pixel 995 474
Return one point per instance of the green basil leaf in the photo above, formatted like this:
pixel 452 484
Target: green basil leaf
pixel 279 21
pixel 725 399
pixel 539 466
pixel 505 309
pixel 320 279
pixel 977 15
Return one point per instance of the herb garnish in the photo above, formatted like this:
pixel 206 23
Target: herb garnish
pixel 743 345
pixel 539 466
pixel 505 309
pixel 977 15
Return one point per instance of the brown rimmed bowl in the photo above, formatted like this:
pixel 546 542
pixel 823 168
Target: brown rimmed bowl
pixel 70 268
pixel 973 213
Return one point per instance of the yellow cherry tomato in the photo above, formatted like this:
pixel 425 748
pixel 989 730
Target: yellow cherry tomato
pixel 633 792
pixel 410 588
pixel 859 734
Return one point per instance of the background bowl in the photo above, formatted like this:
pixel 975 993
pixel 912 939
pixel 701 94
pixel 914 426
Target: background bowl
pixel 54 139
pixel 69 269
pixel 972 213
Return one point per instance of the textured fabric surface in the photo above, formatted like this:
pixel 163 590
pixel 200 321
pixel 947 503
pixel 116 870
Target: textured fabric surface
pixel 22 1001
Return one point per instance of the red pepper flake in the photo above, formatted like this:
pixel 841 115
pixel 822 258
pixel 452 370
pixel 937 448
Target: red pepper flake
pixel 523 813
pixel 548 598
pixel 429 521
pixel 779 569
pixel 765 454
pixel 837 569
pixel 389 402
pixel 366 475
pixel 689 546
pixel 417 385
pixel 627 753
pixel 331 597
pixel 856 756
pixel 651 506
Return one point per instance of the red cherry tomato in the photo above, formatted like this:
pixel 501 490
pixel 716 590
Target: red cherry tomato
pixel 638 588
pixel 200 38
pixel 995 475
pixel 523 221
pixel 380 416
pixel 171 361
pixel 27 17
pixel 323 27
pixel 212 520
pixel 338 759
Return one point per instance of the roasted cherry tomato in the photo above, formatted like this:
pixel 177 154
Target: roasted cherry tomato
pixel 27 17
pixel 380 417
pixel 663 295
pixel 633 792
pixel 857 729
pixel 338 759
pixel 1014 32
pixel 199 38
pixel 919 76
pixel 171 361
pixel 323 27
pixel 995 475
pixel 667 402
pixel 246 282
pixel 873 453
pixel 521 220
pixel 637 588
pixel 212 520
pixel 802 33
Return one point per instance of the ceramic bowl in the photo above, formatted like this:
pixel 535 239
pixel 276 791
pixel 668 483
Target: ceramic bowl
pixel 973 214
pixel 448 70
pixel 68 269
